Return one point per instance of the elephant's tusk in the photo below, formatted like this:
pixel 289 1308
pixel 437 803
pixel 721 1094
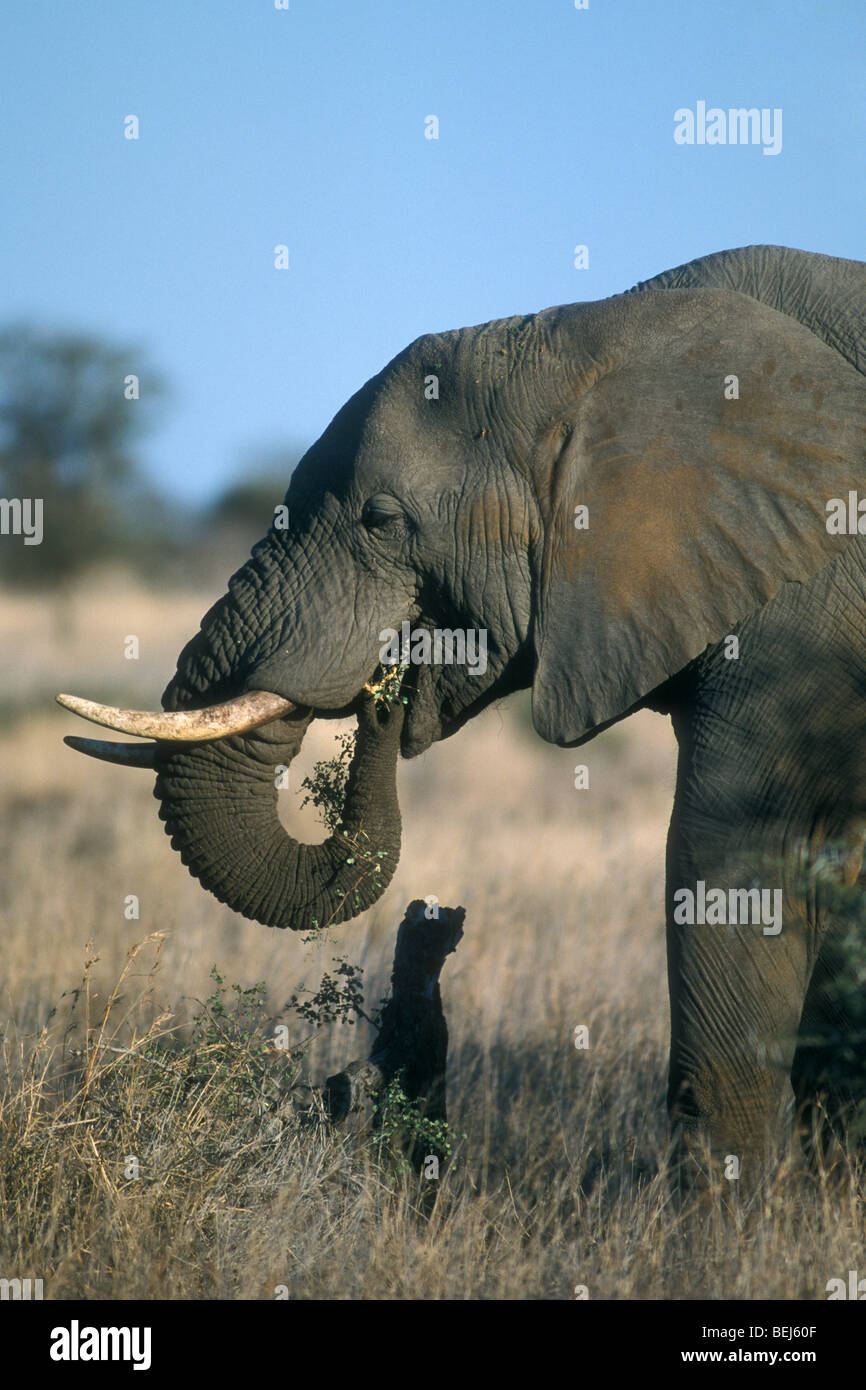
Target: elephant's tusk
pixel 188 725
pixel 126 754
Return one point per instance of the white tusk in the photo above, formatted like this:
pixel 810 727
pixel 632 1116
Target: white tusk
pixel 126 754
pixel 188 725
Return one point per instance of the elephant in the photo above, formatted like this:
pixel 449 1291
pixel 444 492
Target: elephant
pixel 646 501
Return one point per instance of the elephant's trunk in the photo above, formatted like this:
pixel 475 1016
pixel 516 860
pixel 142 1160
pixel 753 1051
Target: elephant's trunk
pixel 219 805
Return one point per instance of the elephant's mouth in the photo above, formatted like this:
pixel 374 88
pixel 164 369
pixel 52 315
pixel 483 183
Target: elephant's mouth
pixel 438 707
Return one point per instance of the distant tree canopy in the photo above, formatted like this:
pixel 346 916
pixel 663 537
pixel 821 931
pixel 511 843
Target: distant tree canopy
pixel 264 480
pixel 72 411
pixel 242 513
pixel 250 501
pixel 69 421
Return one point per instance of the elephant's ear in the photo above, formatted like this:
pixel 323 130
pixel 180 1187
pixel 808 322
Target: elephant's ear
pixel 704 434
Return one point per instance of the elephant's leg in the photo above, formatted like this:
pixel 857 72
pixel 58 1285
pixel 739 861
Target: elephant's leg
pixel 736 998
pixel 740 951
pixel 771 776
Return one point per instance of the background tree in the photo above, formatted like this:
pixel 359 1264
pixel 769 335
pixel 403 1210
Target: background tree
pixel 243 511
pixel 68 435
pixel 262 482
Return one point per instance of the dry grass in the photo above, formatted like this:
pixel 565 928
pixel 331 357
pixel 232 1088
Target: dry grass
pixel 557 1181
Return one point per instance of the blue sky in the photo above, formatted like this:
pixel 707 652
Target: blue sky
pixel 305 127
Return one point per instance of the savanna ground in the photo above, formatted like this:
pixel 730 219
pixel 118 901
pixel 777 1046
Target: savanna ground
pixel 118 1044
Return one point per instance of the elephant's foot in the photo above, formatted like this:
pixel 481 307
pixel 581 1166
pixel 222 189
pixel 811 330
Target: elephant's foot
pixel 729 1154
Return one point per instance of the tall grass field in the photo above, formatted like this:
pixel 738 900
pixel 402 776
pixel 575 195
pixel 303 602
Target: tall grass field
pixel 151 1144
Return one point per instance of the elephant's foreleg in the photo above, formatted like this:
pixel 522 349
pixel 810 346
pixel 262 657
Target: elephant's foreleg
pixel 738 965
pixel 735 1003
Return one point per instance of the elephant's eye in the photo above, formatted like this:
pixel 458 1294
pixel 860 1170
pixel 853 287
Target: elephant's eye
pixel 383 513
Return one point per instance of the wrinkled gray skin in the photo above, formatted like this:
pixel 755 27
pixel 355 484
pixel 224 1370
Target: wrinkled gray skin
pixel 706 518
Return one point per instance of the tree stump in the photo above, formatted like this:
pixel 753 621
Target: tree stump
pixel 412 1046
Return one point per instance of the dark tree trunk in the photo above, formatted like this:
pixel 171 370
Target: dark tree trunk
pixel 412 1045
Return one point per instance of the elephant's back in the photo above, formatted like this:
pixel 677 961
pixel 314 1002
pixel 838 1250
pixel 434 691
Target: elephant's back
pixel 825 293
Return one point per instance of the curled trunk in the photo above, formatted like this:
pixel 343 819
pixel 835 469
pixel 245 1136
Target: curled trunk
pixel 219 805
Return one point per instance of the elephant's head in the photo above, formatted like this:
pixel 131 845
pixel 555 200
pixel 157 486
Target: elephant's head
pixel 601 490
